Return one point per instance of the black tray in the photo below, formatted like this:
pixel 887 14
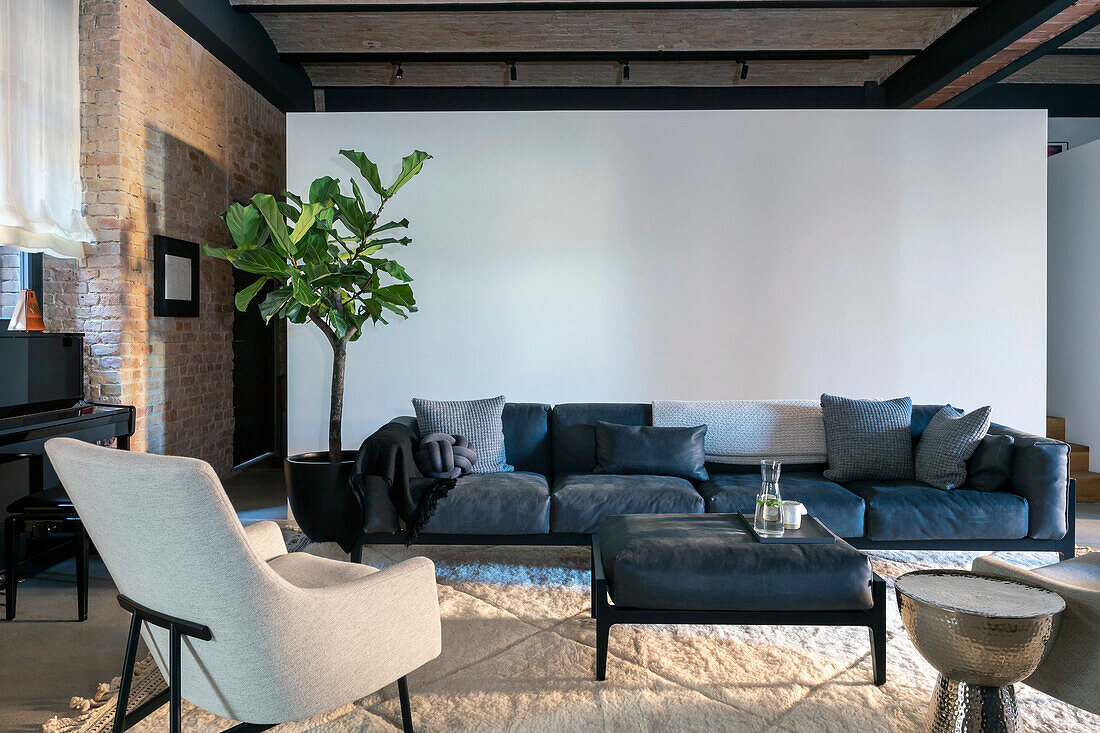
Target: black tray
pixel 812 532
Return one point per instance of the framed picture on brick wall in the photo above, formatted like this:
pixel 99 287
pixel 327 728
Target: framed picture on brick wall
pixel 175 277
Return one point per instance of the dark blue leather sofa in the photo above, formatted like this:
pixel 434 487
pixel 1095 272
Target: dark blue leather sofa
pixel 554 498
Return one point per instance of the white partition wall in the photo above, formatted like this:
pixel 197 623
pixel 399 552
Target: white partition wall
pixel 632 256
pixel 1074 282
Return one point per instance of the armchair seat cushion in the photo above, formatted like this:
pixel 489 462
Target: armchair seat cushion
pixel 910 510
pixel 494 503
pixel 310 571
pixel 837 508
pixel 580 501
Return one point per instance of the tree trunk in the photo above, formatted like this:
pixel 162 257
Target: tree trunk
pixel 336 408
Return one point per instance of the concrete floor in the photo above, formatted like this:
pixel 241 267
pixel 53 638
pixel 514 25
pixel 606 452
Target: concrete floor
pixel 46 657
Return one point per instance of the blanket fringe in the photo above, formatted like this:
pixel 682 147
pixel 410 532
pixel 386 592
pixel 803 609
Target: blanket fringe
pixel 426 507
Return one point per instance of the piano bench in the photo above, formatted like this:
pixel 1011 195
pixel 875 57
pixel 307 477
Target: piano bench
pixel 39 513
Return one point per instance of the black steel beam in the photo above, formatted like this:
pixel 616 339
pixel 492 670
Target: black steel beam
pixel 505 6
pixel 241 43
pixel 355 99
pixel 976 38
pixel 623 55
pixel 1053 47
pixel 1060 100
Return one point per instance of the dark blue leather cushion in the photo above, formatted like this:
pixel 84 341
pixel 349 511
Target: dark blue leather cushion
pixel 922 415
pixel 709 563
pixel 573 430
pixel 527 436
pixel 910 510
pixel 494 503
pixel 838 509
pixel 990 468
pixel 579 502
pixel 641 449
pixel 1040 474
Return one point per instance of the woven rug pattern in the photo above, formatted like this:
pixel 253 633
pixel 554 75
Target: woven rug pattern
pixel 519 655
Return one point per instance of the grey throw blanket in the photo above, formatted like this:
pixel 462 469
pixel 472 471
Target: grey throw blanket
pixel 445 456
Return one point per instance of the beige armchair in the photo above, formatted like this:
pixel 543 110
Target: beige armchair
pixel 1071 672
pixel 237 625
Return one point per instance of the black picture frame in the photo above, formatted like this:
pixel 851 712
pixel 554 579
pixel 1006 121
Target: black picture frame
pixel 163 306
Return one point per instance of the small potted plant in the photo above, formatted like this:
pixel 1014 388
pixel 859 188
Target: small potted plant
pixel 320 259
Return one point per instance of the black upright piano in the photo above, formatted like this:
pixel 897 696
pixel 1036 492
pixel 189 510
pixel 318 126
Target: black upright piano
pixel 42 397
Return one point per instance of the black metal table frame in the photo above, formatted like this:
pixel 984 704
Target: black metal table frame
pixel 607 614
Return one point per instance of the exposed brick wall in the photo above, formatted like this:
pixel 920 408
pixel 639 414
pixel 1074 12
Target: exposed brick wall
pixel 170 137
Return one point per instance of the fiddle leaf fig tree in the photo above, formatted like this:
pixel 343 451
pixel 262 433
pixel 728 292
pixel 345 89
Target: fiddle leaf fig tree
pixel 324 254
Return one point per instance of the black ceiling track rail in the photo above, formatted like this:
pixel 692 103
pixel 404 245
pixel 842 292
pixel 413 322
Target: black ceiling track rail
pixel 581 56
pixel 974 39
pixel 469 99
pixel 1053 47
pixel 507 6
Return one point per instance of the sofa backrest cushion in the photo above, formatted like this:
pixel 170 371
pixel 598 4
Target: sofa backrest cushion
pixel 573 427
pixel 922 415
pixel 527 437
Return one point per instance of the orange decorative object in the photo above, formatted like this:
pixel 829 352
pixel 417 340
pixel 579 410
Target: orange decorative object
pixel 27 315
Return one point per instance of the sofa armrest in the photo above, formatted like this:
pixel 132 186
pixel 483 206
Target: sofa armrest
pixel 1040 474
pixel 379 514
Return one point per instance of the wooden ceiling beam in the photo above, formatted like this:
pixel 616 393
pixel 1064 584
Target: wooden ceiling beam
pixel 1057 69
pixel 602 30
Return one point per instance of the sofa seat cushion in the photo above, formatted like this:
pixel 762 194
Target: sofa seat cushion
pixel 579 502
pixel 910 510
pixel 837 508
pixel 494 503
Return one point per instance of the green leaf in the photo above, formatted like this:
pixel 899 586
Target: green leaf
pixel 222 253
pixel 351 214
pixel 293 197
pixel 367 168
pixel 245 296
pixel 395 309
pixel 339 325
pixel 323 189
pixel 305 222
pixel 276 222
pixel 297 313
pixel 404 223
pixel 274 302
pixel 403 241
pixel 262 262
pixel 397 294
pixel 392 268
pixel 410 166
pixel 302 292
pixel 244 224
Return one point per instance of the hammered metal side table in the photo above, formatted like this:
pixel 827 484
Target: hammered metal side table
pixel 983 635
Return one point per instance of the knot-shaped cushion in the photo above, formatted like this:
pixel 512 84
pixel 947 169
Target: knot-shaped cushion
pixel 445 456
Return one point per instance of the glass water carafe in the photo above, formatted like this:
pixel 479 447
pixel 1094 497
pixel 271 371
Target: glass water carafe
pixel 769 504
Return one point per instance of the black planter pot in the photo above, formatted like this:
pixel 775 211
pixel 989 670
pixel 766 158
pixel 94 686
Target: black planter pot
pixel 317 490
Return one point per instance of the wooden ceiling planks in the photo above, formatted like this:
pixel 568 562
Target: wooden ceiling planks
pixel 1059 69
pixel 604 73
pixel 309 34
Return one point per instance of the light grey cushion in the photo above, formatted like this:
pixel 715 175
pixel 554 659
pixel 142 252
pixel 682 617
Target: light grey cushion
pixel 947 444
pixel 480 421
pixel 867 439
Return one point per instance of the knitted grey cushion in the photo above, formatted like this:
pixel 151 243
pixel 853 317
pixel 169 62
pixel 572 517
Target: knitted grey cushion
pixel 479 420
pixel 946 445
pixel 867 439
pixel 445 456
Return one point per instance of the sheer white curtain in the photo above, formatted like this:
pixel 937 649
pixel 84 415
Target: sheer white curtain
pixel 40 186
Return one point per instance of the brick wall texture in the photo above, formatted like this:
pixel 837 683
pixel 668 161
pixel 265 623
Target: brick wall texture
pixel 170 137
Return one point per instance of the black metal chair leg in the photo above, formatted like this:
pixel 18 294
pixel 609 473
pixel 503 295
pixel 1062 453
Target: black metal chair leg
pixel 357 553
pixel 81 572
pixel 127 675
pixel 11 565
pixel 603 631
pixel 406 709
pixel 175 700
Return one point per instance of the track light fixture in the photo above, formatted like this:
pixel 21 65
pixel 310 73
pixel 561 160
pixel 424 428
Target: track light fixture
pixel 626 70
pixel 744 70
pixel 512 70
pixel 400 72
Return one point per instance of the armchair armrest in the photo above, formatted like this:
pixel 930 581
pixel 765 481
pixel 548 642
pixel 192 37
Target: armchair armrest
pixel 266 539
pixel 1040 474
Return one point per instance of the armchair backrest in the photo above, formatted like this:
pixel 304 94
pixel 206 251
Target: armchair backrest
pixel 164 527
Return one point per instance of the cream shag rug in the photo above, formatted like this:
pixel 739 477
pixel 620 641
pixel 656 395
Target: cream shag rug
pixel 519 655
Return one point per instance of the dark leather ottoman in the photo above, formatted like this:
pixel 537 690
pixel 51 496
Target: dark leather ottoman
pixel 708 569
